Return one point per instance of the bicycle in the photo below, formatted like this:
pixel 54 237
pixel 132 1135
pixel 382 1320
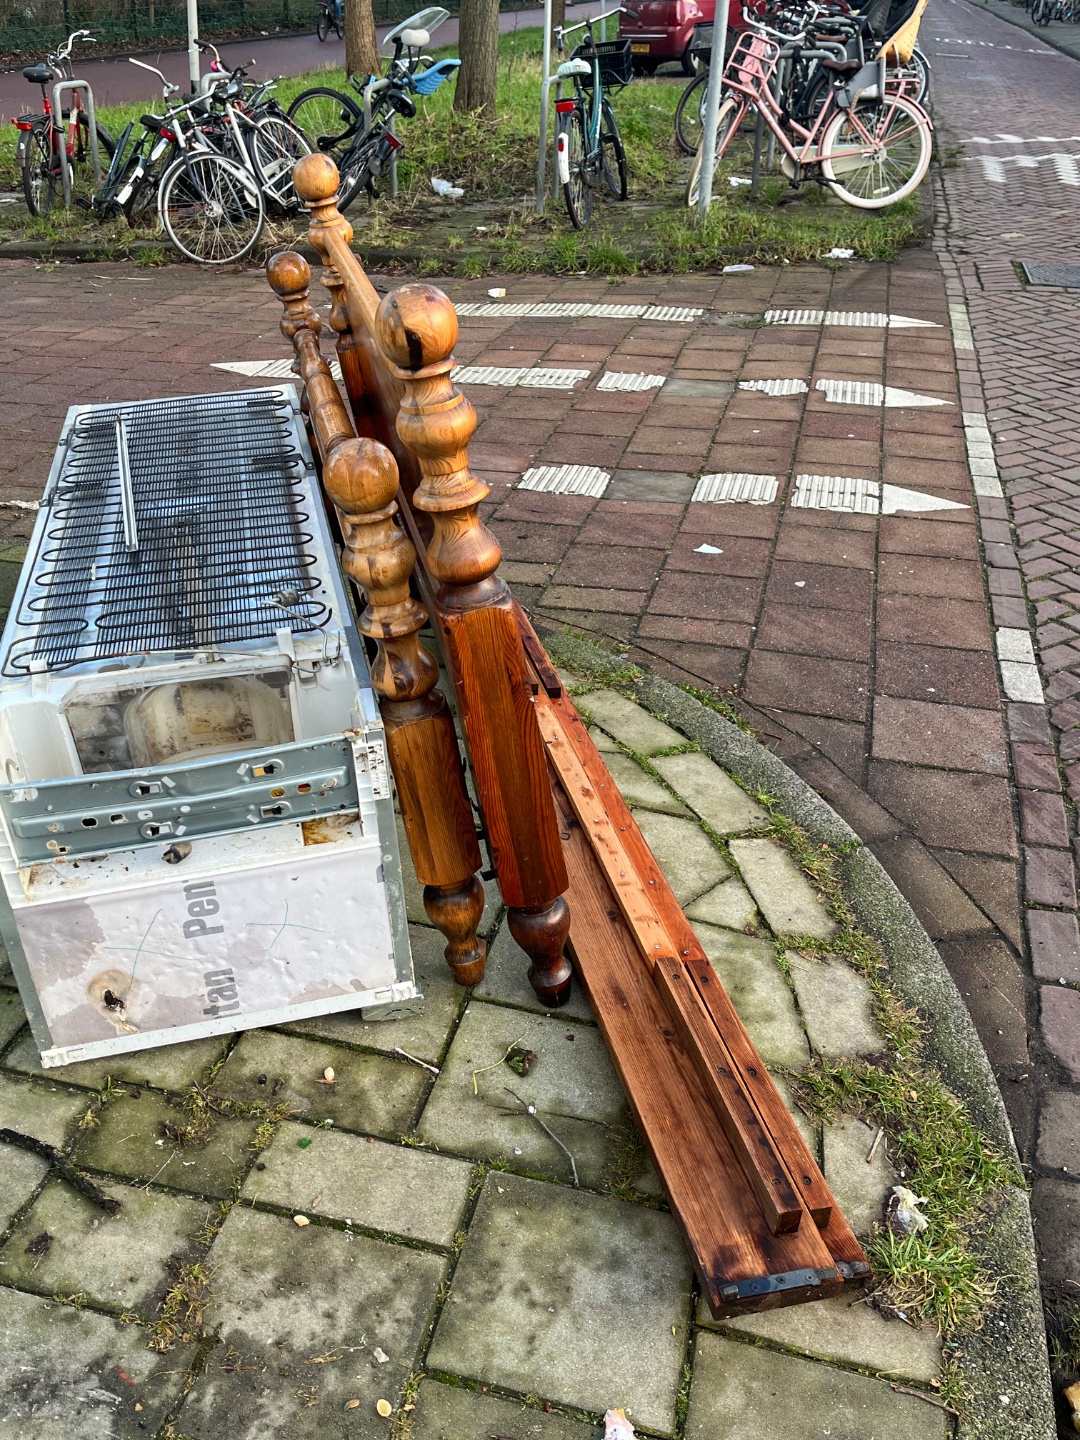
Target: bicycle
pixel 871 147
pixel 43 137
pixel 588 147
pixel 329 19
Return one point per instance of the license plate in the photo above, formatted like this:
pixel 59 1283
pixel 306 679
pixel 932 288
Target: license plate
pixel 639 49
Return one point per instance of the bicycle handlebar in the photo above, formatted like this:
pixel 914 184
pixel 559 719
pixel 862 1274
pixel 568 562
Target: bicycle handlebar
pixel 584 24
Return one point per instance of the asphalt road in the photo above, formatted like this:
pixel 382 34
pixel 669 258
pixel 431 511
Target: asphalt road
pixel 116 81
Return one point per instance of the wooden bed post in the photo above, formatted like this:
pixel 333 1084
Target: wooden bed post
pixel 360 478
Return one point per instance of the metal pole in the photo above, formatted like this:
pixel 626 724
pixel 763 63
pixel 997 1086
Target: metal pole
pixel 755 173
pixel 541 163
pixel 777 86
pixel 192 52
pixel 712 110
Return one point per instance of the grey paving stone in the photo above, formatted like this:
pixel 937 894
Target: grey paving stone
pixel 837 1006
pixel 728 904
pixel 571 1082
pixel 623 720
pixel 422 1028
pixel 168 1067
pixel 20 1175
pixel 712 794
pixel 684 389
pixel 684 852
pixel 40 1109
pixel 506 978
pixel 572 1297
pixel 118 1261
pixel 855 1334
pixel 604 743
pixel 12 1015
pixel 58 1374
pixel 453 1412
pixel 370 1093
pixel 284 1296
pixel 784 895
pixel 749 973
pixel 672 485
pixel 1059 1014
pixel 1059 1131
pixel 811 1133
pixel 7 979
pixel 129 1140
pixel 639 790
pixel 860 1189
pixel 743 1392
pixel 384 1187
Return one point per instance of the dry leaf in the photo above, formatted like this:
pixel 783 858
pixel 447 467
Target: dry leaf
pixel 351 1404
pixel 301 1220
pixel 384 1408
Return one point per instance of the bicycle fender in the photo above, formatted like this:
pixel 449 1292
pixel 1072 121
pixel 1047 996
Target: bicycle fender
pixel 563 153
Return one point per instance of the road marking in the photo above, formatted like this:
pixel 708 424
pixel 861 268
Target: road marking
pixel 863 318
pixel 631 380
pixel 776 387
pixel 570 310
pixel 866 392
pixel 1066 166
pixel 989 45
pixel 565 480
pixel 862 497
pixel 1019 140
pixel 525 376
pixel 269 369
pixel 732 487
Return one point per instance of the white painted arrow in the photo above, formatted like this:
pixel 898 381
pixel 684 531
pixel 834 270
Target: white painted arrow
pixel 862 497
pixel 864 318
pixel 865 392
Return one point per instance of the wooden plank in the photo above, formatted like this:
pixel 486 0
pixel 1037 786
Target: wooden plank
pixel 741 1264
pixel 780 1202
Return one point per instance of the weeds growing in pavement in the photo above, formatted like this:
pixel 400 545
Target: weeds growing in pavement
pixel 181 1312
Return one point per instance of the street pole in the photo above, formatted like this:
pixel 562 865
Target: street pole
pixel 541 163
pixel 712 109
pixel 194 66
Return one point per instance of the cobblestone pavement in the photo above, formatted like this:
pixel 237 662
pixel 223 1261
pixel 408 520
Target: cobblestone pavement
pixel 466 1253
pixel 1011 198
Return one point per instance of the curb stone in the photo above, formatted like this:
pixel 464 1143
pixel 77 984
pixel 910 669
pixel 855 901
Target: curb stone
pixel 1008 1357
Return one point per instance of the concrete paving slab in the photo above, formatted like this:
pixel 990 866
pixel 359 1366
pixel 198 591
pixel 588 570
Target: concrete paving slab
pixel 286 1299
pixel 506 978
pixel 117 1261
pixel 571 1082
pixel 12 1015
pixel 422 1028
pixel 452 1412
pixel 45 1111
pixel 20 1175
pixel 860 1188
pixel 571 1296
pixel 688 858
pixel 371 1093
pixel 394 1188
pixel 749 973
pixel 729 905
pixel 837 1006
pixel 129 1139
pixel 853 1333
pixel 629 723
pixel 784 895
pixel 60 1374
pixel 724 806
pixel 639 790
pixel 169 1067
pixel 743 1392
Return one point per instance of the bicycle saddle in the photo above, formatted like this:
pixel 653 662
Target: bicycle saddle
pixel 152 122
pixel 414 39
pixel 573 67
pixel 38 74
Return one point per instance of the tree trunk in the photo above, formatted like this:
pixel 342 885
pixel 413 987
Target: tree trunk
pixel 558 17
pixel 361 49
pixel 478 45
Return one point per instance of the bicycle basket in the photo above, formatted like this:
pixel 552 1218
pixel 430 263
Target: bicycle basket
pixel 429 80
pixel 701 41
pixel 753 60
pixel 616 65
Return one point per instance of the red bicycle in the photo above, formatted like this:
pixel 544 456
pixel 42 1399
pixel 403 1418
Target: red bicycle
pixel 46 135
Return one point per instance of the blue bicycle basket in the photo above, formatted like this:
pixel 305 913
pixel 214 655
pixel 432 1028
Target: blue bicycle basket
pixel 428 82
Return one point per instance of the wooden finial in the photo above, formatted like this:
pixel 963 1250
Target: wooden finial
pixel 290 277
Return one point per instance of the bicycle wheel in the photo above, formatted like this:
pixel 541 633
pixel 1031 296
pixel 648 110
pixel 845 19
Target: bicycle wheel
pixel 688 114
pixel 142 202
pixel 877 153
pixel 915 77
pixel 212 210
pixel 329 120
pixel 322 25
pixel 80 157
pixel 1040 12
pixel 726 123
pixel 40 169
pixel 276 145
pixel 576 189
pixel 612 153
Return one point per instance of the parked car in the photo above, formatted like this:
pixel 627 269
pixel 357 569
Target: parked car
pixel 660 31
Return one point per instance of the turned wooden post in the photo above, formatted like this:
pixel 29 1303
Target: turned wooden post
pixel 416 328
pixel 360 479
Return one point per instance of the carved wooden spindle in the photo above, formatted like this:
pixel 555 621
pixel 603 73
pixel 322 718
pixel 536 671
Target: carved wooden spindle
pixel 416 328
pixel 361 480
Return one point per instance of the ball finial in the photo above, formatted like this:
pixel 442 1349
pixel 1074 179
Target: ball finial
pixel 288 273
pixel 360 476
pixel 315 178
pixel 417 326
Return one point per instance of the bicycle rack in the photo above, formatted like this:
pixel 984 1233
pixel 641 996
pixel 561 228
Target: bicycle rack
pixel 393 131
pixel 61 88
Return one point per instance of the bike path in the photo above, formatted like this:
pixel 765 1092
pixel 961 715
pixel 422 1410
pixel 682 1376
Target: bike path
pixel 1061 35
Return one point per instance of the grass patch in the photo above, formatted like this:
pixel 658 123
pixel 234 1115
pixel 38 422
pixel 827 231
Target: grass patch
pixel 180 1315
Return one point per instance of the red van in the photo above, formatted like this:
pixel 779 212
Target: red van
pixel 660 31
